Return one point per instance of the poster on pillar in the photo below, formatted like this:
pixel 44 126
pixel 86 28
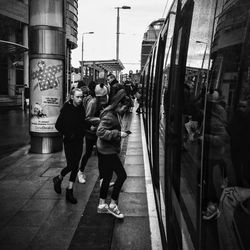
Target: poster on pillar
pixel 46 94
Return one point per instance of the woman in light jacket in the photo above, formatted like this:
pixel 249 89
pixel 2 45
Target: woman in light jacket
pixel 108 145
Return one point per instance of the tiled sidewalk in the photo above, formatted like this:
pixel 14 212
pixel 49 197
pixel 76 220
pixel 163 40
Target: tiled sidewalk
pixel 33 216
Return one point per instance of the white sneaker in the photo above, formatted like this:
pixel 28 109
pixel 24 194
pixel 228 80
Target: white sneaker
pixel 102 209
pixel 101 180
pixel 113 209
pixel 111 184
pixel 81 177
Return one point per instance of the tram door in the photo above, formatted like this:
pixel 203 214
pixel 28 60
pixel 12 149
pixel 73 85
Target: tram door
pixel 174 125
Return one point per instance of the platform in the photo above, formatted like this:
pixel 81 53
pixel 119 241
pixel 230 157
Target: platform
pixel 33 216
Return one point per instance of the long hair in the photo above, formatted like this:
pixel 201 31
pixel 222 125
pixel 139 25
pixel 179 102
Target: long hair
pixel 120 96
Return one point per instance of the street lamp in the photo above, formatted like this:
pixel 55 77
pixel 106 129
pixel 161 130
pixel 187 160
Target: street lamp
pixel 118 29
pixel 84 33
pixel 202 64
pixel 203 59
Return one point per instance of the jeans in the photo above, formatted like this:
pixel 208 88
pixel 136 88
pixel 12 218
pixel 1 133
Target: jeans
pixel 89 148
pixel 109 164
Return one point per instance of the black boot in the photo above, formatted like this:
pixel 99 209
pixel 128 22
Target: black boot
pixel 70 197
pixel 57 184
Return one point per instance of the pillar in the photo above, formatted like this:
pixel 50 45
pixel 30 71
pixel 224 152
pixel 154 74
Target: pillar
pixel 26 56
pixel 47 73
pixel 11 67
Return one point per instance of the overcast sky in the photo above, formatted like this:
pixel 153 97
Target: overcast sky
pixel 100 17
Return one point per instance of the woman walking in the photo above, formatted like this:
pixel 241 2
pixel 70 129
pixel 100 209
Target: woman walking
pixel 108 145
pixel 92 120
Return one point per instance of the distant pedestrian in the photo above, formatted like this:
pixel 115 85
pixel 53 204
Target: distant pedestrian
pixel 71 124
pixel 139 100
pixel 108 145
pixel 93 121
pixel 26 96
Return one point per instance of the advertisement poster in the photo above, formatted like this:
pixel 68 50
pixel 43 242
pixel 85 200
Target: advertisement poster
pixel 46 94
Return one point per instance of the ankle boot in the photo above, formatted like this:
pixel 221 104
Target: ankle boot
pixel 70 197
pixel 57 184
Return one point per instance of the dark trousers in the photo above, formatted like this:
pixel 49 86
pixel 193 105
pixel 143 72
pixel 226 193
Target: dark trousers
pixel 88 151
pixel 73 153
pixel 213 182
pixel 109 164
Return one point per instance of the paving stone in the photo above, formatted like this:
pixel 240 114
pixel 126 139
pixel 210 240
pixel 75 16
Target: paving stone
pixel 134 159
pixel 17 237
pixel 135 170
pixel 133 204
pixel 132 233
pixel 134 185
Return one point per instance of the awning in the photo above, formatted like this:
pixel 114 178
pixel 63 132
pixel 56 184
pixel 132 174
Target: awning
pixel 108 65
pixel 15 50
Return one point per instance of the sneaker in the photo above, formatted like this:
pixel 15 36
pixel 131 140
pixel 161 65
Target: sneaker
pixel 81 177
pixel 113 209
pixel 211 212
pixel 111 184
pixel 102 209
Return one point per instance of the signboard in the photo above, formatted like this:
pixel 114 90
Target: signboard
pixel 46 94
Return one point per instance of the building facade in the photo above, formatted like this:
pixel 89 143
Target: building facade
pixel 15 41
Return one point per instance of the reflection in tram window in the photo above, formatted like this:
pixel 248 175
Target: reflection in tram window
pixel 202 159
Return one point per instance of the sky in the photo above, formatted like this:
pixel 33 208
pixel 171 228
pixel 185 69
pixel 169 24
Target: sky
pixel 100 17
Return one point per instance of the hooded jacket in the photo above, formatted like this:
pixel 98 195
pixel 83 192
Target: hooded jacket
pixel 109 129
pixel 71 121
pixel 115 86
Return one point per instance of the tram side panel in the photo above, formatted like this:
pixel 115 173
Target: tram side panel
pixel 199 175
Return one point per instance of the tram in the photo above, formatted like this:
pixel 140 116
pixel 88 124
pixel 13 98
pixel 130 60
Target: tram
pixel 149 38
pixel 196 116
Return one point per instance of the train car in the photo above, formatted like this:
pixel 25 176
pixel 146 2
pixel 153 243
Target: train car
pixel 196 116
pixel 149 38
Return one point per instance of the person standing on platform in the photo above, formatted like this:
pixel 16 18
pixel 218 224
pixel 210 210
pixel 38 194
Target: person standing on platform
pixel 101 93
pixel 93 121
pixel 115 86
pixel 71 124
pixel 108 145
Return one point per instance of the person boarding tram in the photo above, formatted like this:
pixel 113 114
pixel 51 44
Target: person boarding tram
pixel 108 145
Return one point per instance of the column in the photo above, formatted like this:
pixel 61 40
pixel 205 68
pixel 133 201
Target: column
pixel 47 73
pixel 26 56
pixel 11 67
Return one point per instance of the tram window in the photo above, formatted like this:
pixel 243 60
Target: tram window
pixel 192 114
pixel 225 178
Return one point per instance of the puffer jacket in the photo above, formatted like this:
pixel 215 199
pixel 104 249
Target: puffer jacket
pixel 109 133
pixel 92 121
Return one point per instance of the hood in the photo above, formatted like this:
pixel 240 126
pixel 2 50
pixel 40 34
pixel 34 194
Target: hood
pixel 116 99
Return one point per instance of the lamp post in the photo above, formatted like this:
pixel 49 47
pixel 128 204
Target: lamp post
pixel 202 65
pixel 84 33
pixel 118 28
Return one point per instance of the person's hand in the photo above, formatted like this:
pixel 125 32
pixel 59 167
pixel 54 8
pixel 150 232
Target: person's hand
pixel 124 134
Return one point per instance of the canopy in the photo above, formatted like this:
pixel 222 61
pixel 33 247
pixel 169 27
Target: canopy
pixel 108 65
pixel 15 50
